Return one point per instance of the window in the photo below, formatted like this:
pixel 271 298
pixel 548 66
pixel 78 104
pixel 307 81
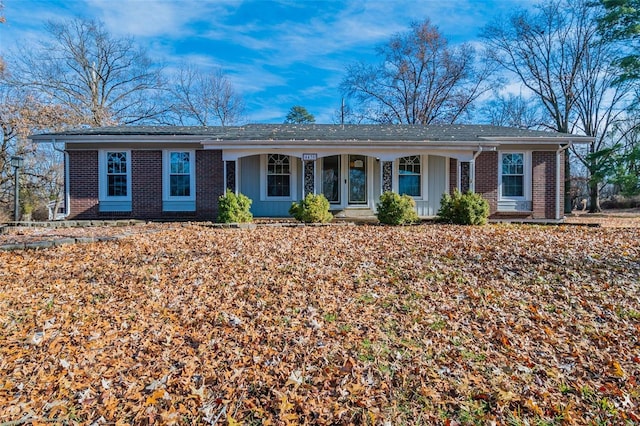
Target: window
pixel 512 173
pixel 117 174
pixel 178 181
pixel 278 175
pixel 179 174
pixel 114 181
pixel 409 176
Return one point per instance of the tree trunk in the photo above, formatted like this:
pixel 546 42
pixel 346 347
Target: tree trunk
pixel 594 198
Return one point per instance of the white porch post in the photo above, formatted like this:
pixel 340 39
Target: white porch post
pixel 472 170
pixel 224 174
pixel 236 182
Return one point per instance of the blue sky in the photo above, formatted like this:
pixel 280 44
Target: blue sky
pixel 277 54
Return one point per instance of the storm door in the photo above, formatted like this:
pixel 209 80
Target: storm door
pixel 357 179
pixel 331 178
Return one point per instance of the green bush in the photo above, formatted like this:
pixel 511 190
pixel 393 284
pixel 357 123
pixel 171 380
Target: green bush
pixel 234 208
pixel 313 209
pixel 396 209
pixel 463 209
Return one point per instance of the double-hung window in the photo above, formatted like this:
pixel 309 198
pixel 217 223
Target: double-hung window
pixel 117 174
pixel 179 174
pixel 114 180
pixel 512 173
pixel 278 175
pixel 410 176
pixel 178 180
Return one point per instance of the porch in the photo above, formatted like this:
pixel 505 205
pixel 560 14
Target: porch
pixel 352 182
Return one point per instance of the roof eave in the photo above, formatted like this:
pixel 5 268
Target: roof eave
pixel 539 140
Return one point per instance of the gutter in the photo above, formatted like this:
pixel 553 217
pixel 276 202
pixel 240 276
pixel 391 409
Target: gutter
pixel 558 171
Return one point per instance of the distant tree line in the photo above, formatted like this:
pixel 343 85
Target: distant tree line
pixel 576 62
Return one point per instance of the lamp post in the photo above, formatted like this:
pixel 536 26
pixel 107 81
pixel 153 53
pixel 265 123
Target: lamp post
pixel 17 163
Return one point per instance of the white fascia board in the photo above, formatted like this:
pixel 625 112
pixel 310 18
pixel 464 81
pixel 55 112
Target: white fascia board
pixel 236 153
pixel 332 144
pixel 106 139
pixel 535 140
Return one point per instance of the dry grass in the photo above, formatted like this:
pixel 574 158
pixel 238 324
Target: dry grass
pixel 336 325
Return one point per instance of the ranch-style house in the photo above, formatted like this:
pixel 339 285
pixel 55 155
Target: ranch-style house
pixel 170 173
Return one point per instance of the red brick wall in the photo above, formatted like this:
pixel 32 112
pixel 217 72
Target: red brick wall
pixel 146 184
pixel 544 184
pixel 209 183
pixel 487 178
pixel 83 184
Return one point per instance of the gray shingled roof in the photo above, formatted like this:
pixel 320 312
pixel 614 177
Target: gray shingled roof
pixel 321 132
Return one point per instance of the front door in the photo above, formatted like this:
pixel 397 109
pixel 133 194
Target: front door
pixel 357 179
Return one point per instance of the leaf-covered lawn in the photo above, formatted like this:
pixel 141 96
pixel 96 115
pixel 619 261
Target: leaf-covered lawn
pixel 331 325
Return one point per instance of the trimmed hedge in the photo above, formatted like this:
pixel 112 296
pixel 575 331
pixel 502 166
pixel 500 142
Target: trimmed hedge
pixel 234 208
pixel 314 208
pixel 396 209
pixel 463 209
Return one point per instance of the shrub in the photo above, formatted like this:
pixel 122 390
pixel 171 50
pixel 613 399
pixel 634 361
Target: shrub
pixel 621 202
pixel 234 208
pixel 396 209
pixel 463 209
pixel 312 209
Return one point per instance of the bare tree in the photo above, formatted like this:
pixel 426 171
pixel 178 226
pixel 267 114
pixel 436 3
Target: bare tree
pixel 513 111
pixel 601 102
pixel 557 54
pixel 205 99
pixel 2 21
pixel 419 81
pixel 21 114
pixel 103 79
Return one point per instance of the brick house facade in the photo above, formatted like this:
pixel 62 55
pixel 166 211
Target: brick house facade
pixel 146 182
pixel 178 173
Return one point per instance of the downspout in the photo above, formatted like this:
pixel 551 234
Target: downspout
pixel 224 173
pixel 67 200
pixel 558 181
pixel 472 170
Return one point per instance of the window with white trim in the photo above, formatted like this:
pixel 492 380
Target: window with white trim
pixel 512 172
pixel 179 174
pixel 117 174
pixel 178 180
pixel 278 175
pixel 410 176
pixel 114 180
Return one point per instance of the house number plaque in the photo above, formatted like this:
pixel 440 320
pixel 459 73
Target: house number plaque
pixel 309 157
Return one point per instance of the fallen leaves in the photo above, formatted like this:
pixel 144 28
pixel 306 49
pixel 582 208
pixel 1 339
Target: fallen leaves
pixel 329 325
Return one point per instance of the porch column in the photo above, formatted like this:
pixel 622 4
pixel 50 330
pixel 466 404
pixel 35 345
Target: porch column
pixel 387 176
pixel 309 177
pixel 230 175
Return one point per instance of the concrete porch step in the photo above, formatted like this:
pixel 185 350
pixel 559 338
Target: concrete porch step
pixel 358 213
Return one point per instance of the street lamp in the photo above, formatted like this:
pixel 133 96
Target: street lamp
pixel 17 163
